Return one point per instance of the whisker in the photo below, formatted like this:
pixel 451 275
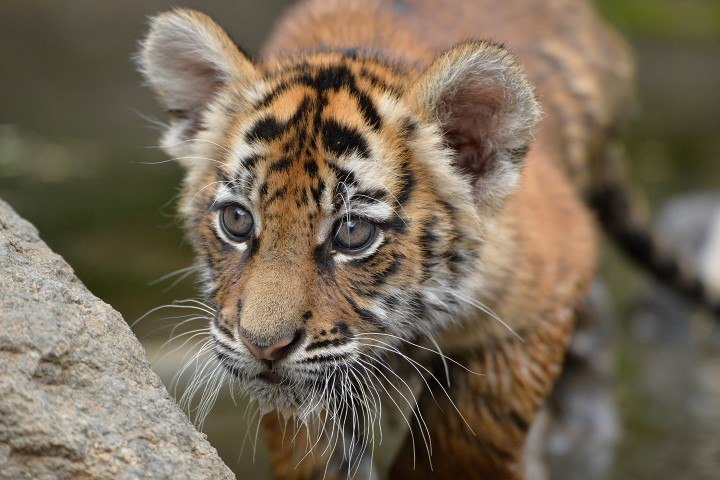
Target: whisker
pixel 400 411
pixel 257 430
pixel 188 157
pixel 173 274
pixel 487 310
pixel 444 357
pixel 208 308
pixel 194 359
pixel 167 354
pixel 428 443
pixel 413 362
pixel 193 333
pixel 173 305
pixel 174 317
pixel 246 437
pixel 191 140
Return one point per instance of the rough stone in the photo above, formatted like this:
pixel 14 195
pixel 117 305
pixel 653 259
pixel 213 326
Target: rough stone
pixel 78 398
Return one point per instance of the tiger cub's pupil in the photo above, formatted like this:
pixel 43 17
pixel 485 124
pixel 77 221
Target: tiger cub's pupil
pixel 236 222
pixel 354 235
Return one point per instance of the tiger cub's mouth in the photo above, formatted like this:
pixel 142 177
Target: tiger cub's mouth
pixel 303 380
pixel 271 377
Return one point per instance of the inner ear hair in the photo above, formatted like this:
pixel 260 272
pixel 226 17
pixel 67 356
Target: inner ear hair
pixel 486 109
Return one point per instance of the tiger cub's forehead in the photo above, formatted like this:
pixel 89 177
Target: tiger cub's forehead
pixel 321 129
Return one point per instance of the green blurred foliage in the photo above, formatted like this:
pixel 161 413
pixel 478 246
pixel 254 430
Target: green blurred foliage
pixel 687 21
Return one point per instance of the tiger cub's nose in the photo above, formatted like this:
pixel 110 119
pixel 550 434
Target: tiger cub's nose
pixel 280 349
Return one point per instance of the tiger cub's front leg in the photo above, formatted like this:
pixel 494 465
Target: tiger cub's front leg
pixel 483 434
pixel 299 452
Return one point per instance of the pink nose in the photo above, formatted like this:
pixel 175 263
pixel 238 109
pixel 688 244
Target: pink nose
pixel 276 351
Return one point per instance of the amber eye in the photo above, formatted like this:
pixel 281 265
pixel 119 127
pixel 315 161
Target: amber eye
pixel 236 222
pixel 353 235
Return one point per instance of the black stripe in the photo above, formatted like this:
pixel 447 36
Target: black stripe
pixel 277 194
pixel 453 259
pixel 338 77
pixel 251 161
pixel 345 180
pixel 368 110
pixel 281 165
pixel 380 83
pixel 408 127
pixel 341 327
pixel 222 328
pixel 519 420
pixel 311 168
pixel 253 245
pixel 302 110
pixel 382 277
pixel 326 343
pixel 227 361
pixel 302 198
pixel 448 207
pixel 343 175
pixel 316 191
pixel 333 78
pixel 505 455
pixel 341 140
pixel 396 223
pixel 428 238
pixel 323 359
pixel 270 97
pixel 324 258
pixel 407 183
pixel 265 129
pixel 366 315
pixel 264 189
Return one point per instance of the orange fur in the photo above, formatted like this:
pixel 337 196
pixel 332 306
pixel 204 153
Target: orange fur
pixel 354 99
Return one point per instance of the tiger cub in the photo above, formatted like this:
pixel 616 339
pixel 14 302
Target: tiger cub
pixel 384 222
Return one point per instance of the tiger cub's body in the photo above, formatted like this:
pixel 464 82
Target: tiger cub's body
pixel 383 114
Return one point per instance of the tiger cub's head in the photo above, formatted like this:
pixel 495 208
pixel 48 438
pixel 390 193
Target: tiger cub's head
pixel 336 200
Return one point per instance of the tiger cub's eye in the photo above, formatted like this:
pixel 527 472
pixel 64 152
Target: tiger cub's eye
pixel 354 235
pixel 236 222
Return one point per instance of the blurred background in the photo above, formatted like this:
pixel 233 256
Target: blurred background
pixel 77 134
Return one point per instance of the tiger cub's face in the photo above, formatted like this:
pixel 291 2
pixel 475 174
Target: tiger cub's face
pixel 337 203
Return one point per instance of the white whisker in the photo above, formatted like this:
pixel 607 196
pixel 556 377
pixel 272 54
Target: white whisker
pixel 488 311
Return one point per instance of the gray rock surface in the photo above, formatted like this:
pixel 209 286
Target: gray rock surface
pixel 78 398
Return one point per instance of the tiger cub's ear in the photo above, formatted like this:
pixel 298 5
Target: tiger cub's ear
pixel 487 110
pixel 186 59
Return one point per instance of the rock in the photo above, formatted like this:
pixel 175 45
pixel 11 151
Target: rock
pixel 78 398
